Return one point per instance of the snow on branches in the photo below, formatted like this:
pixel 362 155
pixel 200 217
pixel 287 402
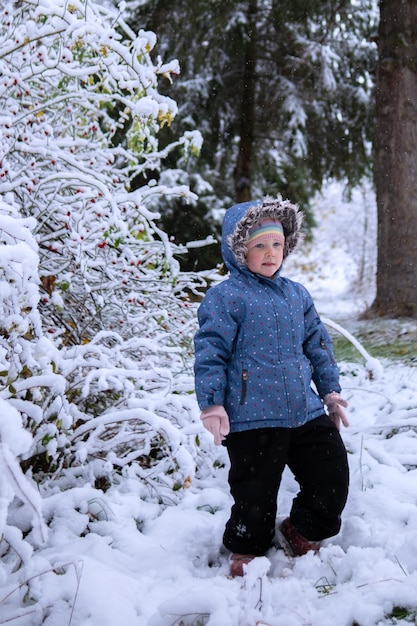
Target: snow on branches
pixel 96 315
pixel 79 136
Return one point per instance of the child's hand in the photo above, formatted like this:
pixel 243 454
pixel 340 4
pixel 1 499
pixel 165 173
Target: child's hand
pixel 216 421
pixel 334 403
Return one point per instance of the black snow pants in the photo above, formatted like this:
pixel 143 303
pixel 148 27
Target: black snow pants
pixel 317 457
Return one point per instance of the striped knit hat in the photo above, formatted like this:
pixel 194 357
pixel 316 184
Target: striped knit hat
pixel 265 231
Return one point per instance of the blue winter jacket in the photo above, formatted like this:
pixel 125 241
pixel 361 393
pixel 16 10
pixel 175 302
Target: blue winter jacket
pixel 260 346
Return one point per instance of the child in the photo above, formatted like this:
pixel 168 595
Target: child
pixel 259 346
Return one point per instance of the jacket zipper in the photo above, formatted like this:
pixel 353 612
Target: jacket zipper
pixel 244 385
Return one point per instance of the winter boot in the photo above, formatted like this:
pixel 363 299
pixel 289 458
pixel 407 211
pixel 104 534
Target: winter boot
pixel 298 544
pixel 237 561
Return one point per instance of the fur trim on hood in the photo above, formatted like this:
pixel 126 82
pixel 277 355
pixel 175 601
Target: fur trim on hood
pixel 276 209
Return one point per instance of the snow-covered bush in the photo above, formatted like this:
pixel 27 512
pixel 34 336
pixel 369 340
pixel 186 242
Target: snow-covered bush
pixel 27 383
pixel 141 438
pixel 96 315
pixel 79 152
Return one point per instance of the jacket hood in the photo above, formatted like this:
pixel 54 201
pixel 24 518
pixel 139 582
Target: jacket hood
pixel 241 218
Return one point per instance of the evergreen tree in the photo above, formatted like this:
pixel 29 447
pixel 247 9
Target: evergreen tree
pixel 282 90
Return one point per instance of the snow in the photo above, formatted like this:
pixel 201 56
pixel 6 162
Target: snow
pixel 113 558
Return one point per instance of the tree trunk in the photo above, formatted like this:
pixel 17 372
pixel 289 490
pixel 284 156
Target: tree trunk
pixel 243 173
pixel 396 160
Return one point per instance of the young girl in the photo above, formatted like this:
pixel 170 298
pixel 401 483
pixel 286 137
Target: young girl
pixel 259 348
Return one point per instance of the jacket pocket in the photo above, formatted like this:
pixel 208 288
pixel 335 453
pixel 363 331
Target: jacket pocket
pixel 244 386
pixel 325 347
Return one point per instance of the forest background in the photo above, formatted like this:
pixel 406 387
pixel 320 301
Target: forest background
pixel 125 133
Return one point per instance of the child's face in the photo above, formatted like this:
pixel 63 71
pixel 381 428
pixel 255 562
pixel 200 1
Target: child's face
pixel 265 258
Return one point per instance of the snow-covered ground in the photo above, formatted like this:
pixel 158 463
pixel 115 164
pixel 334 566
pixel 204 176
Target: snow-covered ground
pixel 110 561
